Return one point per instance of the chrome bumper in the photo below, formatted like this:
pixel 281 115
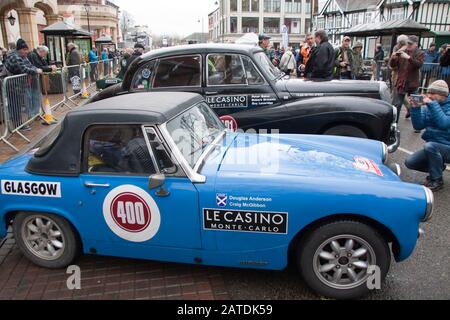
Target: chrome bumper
pixel 394 136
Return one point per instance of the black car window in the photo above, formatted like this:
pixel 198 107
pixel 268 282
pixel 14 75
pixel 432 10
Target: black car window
pixel 182 71
pixel 225 69
pixel 142 79
pixel 162 158
pixel 117 149
pixel 252 73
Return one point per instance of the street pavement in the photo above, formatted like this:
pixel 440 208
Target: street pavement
pixel 426 275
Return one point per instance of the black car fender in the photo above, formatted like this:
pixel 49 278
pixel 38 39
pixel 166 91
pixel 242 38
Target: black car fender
pixel 317 115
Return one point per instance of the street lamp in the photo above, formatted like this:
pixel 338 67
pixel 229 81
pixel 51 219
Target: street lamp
pixel 87 7
pixel 11 19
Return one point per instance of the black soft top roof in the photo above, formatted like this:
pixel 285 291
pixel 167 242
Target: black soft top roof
pixel 63 158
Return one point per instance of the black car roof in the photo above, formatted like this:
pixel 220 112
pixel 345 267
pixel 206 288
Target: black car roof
pixel 63 158
pixel 201 48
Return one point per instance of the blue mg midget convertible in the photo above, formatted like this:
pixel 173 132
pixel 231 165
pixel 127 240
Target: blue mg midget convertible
pixel 156 176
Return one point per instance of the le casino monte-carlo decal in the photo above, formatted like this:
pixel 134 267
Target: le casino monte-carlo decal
pixel 244 219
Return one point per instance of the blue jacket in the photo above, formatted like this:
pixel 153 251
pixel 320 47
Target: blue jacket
pixel 93 56
pixel 430 58
pixel 104 56
pixel 435 118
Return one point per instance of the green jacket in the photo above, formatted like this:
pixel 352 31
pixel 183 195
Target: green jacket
pixel 357 64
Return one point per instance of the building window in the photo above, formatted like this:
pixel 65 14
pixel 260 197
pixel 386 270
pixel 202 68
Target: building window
pixel 338 21
pixel 308 6
pixel 233 25
pixel 272 5
pixel 308 27
pixel 250 5
pixel 250 25
pixel 320 23
pixel 293 25
pixel 233 5
pixel 293 6
pixel 271 25
pixel 329 22
pixel 368 17
pixel 397 14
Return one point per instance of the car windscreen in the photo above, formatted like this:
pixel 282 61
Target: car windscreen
pixel 194 130
pixel 265 63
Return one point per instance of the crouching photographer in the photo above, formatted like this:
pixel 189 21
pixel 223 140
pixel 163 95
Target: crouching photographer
pixel 432 113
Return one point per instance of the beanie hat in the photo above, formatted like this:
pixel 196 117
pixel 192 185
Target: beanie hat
pixel 21 44
pixel 139 46
pixel 439 87
pixel 358 44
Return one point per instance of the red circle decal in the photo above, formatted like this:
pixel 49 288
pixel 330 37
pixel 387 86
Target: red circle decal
pixel 130 212
pixel 230 123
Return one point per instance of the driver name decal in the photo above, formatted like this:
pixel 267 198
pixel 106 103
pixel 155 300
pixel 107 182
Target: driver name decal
pixel 131 213
pixel 218 102
pixel 31 188
pixel 245 221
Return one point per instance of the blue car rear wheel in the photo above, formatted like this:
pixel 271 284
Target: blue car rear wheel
pixel 47 240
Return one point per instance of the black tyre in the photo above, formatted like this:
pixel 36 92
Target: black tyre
pixel 46 240
pixel 346 131
pixel 334 258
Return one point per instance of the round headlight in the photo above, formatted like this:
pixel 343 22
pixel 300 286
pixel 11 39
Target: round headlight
pixel 430 205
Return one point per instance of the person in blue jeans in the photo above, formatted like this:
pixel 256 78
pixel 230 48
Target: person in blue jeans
pixel 434 116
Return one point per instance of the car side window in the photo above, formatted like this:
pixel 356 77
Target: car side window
pixel 162 158
pixel 143 78
pixel 225 69
pixel 117 149
pixel 253 75
pixel 184 71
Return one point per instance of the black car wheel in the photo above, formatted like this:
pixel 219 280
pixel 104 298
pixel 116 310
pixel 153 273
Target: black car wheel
pixel 46 240
pixel 346 131
pixel 334 259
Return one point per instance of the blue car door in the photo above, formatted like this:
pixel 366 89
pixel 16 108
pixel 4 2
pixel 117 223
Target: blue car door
pixel 118 204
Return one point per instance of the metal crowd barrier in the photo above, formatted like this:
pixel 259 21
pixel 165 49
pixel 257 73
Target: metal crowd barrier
pixel 429 72
pixel 24 98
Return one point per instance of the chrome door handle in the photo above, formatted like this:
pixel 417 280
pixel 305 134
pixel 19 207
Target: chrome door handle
pixel 96 185
pixel 210 93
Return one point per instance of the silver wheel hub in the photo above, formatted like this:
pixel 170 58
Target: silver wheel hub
pixel 342 262
pixel 43 237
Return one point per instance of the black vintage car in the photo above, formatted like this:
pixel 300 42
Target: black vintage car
pixel 242 86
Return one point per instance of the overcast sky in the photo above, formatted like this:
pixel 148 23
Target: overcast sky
pixel 168 17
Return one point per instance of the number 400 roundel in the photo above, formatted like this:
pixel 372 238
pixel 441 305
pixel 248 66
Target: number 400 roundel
pixel 131 213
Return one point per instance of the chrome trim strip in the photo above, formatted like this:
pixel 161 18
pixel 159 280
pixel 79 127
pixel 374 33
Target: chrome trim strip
pixel 192 175
pixel 208 150
pixel 430 205
pixel 393 147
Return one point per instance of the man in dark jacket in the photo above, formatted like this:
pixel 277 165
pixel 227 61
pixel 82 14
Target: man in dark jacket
pixel 378 60
pixel 138 51
pixel 37 59
pixel 408 63
pixel 434 116
pixel 23 95
pixel 73 61
pixel 321 61
pixel 444 62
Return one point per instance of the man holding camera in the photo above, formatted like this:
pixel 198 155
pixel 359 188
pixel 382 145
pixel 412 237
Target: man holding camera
pixel 407 60
pixel 432 112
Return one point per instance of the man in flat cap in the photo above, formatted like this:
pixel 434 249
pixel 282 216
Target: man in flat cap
pixel 264 43
pixel 407 61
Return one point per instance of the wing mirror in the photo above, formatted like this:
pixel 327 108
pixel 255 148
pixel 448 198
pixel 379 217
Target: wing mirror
pixel 157 181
